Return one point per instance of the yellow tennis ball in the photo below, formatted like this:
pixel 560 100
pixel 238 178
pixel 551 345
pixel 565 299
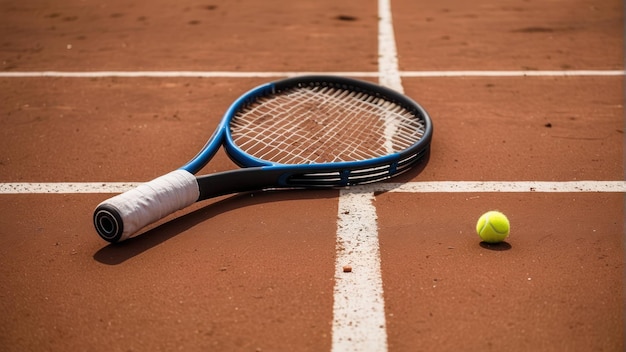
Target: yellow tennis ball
pixel 493 227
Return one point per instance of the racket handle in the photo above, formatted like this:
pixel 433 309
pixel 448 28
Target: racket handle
pixel 119 217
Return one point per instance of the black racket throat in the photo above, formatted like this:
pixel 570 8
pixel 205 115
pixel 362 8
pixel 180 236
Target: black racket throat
pixel 292 177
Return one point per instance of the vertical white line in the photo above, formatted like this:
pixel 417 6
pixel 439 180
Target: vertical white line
pixel 388 70
pixel 359 307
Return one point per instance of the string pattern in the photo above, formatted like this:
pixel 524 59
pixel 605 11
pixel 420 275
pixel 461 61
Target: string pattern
pixel 323 124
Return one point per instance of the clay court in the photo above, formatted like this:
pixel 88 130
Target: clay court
pixel 527 102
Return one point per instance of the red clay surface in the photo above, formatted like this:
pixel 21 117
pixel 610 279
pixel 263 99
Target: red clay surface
pixel 256 272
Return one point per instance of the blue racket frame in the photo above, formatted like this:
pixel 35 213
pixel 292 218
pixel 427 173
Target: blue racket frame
pixel 260 174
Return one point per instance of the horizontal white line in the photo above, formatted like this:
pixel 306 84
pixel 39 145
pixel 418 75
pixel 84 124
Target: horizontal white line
pixel 64 187
pixel 499 186
pixel 232 74
pixel 409 187
pixel 176 74
pixel 525 73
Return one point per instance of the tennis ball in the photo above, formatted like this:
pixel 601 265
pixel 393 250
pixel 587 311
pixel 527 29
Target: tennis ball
pixel 493 227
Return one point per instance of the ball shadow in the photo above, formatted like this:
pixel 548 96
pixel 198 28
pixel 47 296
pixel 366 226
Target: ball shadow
pixel 496 247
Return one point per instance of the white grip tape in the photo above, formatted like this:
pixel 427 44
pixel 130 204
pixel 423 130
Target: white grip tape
pixel 154 200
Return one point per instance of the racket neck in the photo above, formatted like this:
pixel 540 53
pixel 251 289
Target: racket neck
pixel 240 180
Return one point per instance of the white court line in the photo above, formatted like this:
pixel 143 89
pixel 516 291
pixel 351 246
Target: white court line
pixel 175 74
pixel 359 322
pixel 384 73
pixel 499 187
pixel 525 73
pixel 408 187
pixel 359 305
pixel 66 187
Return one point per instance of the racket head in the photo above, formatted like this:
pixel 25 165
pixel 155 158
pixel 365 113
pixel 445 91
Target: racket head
pixel 338 131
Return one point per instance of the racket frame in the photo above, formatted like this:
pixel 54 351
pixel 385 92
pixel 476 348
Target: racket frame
pixel 314 175
pixel 114 225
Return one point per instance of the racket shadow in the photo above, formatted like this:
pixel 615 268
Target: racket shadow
pixel 118 253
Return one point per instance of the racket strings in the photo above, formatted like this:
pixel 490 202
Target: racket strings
pixel 323 124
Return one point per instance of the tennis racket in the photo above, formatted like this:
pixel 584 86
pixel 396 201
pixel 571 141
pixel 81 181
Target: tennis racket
pixel 301 132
